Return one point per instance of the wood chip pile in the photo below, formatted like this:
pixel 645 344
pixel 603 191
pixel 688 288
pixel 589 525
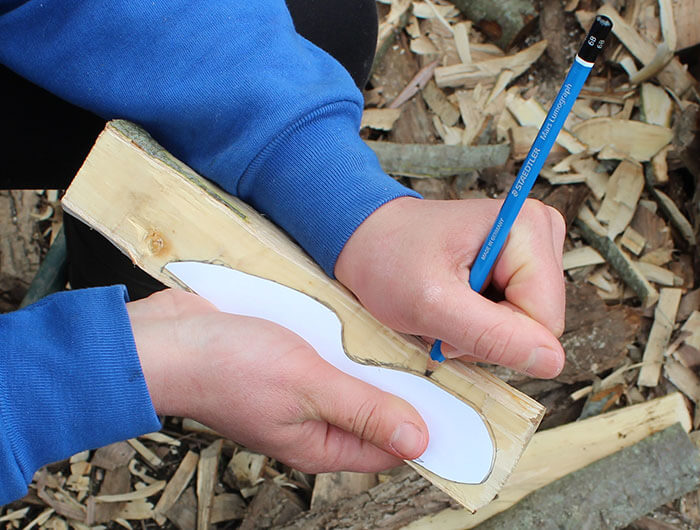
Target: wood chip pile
pixel 454 103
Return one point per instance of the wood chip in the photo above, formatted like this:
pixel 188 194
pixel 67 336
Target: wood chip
pixel 685 15
pixel 673 75
pixel 461 36
pixel 661 329
pixel 381 119
pixel 487 71
pixel 629 139
pixel 582 257
pixel 439 104
pixel 659 275
pixel 138 494
pixel 530 113
pixel 678 220
pixel 622 193
pixel 113 456
pixel 657 107
pixel 684 379
pixel 227 507
pixel 633 241
pixel 149 456
pixel 245 469
pixel 177 483
pixel 206 480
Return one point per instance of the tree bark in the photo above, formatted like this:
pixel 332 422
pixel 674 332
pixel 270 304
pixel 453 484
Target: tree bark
pixel 612 492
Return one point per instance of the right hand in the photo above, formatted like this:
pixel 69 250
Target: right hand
pixel 264 387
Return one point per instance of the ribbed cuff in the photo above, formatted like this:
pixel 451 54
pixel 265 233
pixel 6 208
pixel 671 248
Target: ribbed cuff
pixel 71 379
pixel 319 181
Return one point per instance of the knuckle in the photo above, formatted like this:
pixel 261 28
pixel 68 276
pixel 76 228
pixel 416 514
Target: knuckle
pixel 495 344
pixel 366 421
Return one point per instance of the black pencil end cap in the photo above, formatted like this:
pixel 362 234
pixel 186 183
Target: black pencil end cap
pixel 595 40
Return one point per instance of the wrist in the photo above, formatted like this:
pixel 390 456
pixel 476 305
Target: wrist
pixel 379 230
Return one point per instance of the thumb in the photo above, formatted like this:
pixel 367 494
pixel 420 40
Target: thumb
pixel 495 333
pixel 372 415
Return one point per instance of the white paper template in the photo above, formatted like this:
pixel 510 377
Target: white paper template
pixel 460 447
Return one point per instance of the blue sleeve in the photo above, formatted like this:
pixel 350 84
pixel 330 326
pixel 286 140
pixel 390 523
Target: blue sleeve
pixel 227 86
pixel 70 380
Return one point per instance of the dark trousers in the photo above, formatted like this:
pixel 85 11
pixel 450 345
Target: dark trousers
pixel 49 138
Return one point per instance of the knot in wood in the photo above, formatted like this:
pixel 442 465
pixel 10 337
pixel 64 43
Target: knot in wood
pixel 155 242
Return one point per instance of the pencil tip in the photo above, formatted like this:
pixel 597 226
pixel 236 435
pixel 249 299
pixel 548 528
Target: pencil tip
pixel 428 373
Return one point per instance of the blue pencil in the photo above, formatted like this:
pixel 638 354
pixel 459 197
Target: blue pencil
pixel 553 123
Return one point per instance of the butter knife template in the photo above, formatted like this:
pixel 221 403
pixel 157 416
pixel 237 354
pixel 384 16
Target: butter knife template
pixel 460 448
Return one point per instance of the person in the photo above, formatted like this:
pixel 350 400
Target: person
pixel 234 90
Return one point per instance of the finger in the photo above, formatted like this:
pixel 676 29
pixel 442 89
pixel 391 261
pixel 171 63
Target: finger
pixel 334 449
pixel 530 269
pixel 493 332
pixel 377 417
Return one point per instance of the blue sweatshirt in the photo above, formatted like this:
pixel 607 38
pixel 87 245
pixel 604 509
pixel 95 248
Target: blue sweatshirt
pixel 230 88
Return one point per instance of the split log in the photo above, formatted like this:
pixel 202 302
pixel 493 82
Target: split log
pixel 398 501
pixel 127 174
pixel 614 491
pixel 331 487
pixel 424 161
pixel 506 23
pixel 393 504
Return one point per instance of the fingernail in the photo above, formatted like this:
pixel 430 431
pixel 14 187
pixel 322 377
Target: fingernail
pixel 544 362
pixel 407 441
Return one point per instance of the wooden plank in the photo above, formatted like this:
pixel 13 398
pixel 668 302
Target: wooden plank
pixel 122 179
pixel 661 329
pixel 207 478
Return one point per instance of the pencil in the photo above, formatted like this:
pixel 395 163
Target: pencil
pixel 552 125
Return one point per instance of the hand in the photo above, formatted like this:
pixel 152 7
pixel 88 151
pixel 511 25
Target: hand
pixel 263 386
pixel 409 262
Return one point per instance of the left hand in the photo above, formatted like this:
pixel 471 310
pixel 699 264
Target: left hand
pixel 409 262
